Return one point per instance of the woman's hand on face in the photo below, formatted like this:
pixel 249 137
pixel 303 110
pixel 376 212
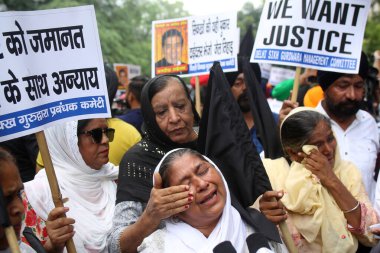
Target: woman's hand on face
pixel 164 203
pixel 271 206
pixel 319 165
pixel 59 229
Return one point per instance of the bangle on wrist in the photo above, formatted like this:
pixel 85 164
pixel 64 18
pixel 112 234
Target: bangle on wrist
pixel 353 209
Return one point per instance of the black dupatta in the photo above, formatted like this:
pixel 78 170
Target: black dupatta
pixel 138 163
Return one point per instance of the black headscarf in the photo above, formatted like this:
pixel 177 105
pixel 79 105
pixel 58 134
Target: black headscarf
pixel 267 131
pixel 150 126
pixel 231 76
pixel 139 162
pixel 266 127
pixel 245 51
pixel 225 138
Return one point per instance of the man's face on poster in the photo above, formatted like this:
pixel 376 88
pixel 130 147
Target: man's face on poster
pixel 123 77
pixel 172 49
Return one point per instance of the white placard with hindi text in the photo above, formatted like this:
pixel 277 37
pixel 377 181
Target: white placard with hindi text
pixel 189 46
pixel 278 74
pixel 319 34
pixel 51 70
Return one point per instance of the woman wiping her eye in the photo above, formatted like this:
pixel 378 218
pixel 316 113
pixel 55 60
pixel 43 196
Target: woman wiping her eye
pixel 210 218
pixel 322 196
pixel 169 117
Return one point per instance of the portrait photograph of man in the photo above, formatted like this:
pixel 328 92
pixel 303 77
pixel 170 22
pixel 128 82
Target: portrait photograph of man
pixel 171 48
pixel 122 75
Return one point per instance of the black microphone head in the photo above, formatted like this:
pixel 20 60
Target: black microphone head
pixel 33 241
pixel 224 247
pixel 256 241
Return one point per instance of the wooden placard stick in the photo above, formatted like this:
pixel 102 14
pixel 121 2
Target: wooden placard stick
pixel 287 237
pixel 12 239
pixel 296 85
pixel 54 187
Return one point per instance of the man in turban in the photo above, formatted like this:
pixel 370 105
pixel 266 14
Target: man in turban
pixel 240 89
pixel 355 129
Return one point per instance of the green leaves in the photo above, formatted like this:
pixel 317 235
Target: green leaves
pixel 125 26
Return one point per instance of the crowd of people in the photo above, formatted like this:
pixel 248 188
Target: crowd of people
pixel 136 182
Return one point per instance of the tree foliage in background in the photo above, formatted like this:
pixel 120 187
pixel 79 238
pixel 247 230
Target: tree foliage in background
pixel 249 15
pixel 125 26
pixel 372 31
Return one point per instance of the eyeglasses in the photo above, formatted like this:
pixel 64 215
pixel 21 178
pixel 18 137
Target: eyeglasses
pixel 97 134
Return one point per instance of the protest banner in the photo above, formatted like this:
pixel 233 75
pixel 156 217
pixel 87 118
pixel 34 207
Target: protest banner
pixel 189 46
pixel 51 71
pixel 265 70
pixel 133 70
pixel 278 74
pixel 122 72
pixel 317 34
pixel 126 72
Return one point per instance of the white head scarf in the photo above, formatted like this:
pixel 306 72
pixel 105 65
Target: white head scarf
pixel 91 193
pixel 182 237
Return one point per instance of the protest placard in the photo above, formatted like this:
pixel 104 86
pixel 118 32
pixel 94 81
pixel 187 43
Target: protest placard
pixel 133 70
pixel 122 72
pixel 51 70
pixel 126 72
pixel 278 75
pixel 318 34
pixel 189 46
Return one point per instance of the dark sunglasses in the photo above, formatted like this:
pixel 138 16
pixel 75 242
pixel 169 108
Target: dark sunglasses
pixel 97 134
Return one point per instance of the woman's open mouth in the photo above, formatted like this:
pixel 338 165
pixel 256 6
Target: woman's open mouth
pixel 209 198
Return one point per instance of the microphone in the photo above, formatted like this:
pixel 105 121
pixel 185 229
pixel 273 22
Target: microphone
pixel 33 241
pixel 257 243
pixel 224 247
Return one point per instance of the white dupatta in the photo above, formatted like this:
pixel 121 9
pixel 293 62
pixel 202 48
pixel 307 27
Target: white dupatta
pixel 181 237
pixel 91 193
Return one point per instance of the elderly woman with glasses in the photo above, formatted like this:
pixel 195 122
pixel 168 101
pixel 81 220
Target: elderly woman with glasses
pixel 79 152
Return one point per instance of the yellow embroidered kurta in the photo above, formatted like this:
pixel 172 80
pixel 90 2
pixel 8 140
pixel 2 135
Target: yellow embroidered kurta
pixel 316 222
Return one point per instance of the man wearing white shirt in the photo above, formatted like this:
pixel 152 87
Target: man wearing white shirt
pixel 355 129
